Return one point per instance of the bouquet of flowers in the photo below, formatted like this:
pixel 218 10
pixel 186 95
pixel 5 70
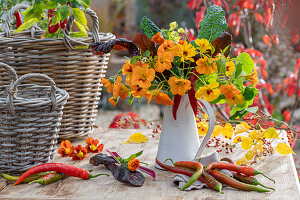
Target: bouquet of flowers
pixel 166 64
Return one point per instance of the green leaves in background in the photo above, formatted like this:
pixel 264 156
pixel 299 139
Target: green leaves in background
pixel 213 25
pixel 148 27
pixel 246 61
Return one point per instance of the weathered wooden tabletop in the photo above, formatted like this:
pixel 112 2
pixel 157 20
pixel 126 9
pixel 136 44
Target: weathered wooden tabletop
pixel 280 168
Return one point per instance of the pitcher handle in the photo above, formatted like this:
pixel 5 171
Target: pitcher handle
pixel 208 110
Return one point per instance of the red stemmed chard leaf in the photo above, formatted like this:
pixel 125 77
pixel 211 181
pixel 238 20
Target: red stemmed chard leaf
pixel 177 99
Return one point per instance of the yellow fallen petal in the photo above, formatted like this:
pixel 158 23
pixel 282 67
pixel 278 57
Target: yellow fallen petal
pixel 255 135
pixel 284 149
pixel 249 155
pixel 247 143
pixel 242 161
pixel 227 131
pixel 271 133
pixel 258 147
pixel 217 131
pixel 238 139
pixel 241 128
pixel 202 128
pixel 137 138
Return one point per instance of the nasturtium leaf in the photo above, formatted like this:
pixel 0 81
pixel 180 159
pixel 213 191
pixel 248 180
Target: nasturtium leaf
pixel 249 155
pixel 214 23
pixel 252 109
pixel 80 17
pixel 238 70
pixel 137 138
pixel 27 25
pixel 284 149
pixel 246 61
pixel 247 143
pixel 250 93
pixel 148 27
pixel 271 133
pixel 241 128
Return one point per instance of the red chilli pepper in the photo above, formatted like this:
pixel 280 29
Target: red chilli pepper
pixel 249 171
pixel 192 91
pixel 59 167
pixel 18 19
pixel 54 28
pixel 51 13
pixel 63 24
pixel 177 99
pixel 205 177
pixel 235 183
pixel 193 165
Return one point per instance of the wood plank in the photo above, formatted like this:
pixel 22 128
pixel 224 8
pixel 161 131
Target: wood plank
pixel 281 168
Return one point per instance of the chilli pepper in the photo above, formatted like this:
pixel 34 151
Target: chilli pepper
pixel 177 99
pixel 245 179
pixel 49 178
pixel 205 177
pixel 193 165
pixel 59 167
pixel 192 92
pixel 18 19
pixel 54 28
pixel 235 183
pixel 26 180
pixel 249 171
pixel 63 24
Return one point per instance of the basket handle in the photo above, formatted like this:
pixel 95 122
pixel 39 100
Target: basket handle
pixel 13 88
pixel 10 14
pixel 10 70
pixel 95 30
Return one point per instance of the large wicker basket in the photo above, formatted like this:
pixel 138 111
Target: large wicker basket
pixel 68 62
pixel 30 117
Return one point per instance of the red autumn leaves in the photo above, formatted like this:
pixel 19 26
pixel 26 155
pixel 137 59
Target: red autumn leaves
pixel 80 152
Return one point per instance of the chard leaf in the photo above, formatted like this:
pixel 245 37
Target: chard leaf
pixel 148 27
pixel 213 25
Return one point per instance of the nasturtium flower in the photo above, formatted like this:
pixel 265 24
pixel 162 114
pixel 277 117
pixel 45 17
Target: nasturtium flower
pixel 230 67
pixel 113 101
pixel 138 91
pixel 127 70
pixel 142 76
pixel 241 128
pixel 162 98
pixel 253 77
pixel 158 39
pixel 120 89
pixel 162 65
pixel 179 85
pixel 208 93
pixel 229 91
pixel 108 84
pixel 133 164
pixel 203 67
pixel 79 153
pixel 186 52
pixel 65 149
pixel 203 45
pixel 168 50
pixel 202 128
pixel 93 145
pixel 238 99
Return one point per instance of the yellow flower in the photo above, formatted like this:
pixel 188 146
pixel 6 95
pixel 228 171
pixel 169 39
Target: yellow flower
pixel 120 89
pixel 203 67
pixel 253 77
pixel 208 92
pixel 162 65
pixel 238 99
pixel 226 130
pixel 181 30
pixel 143 76
pixel 202 128
pixel 229 68
pixel 186 51
pixel 241 128
pixel 203 45
pixel 173 25
pixel 179 85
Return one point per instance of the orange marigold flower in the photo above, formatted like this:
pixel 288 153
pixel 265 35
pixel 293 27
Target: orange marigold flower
pixel 138 91
pixel 162 65
pixel 179 85
pixel 162 98
pixel 143 76
pixel 127 70
pixel 120 89
pixel 186 51
pixel 113 101
pixel 92 145
pixel 65 149
pixel 109 85
pixel 229 91
pixel 168 50
pixel 203 45
pixel 237 99
pixel 158 39
pixel 133 164
pixel 203 66
pixel 209 93
pixel 79 153
pixel 229 68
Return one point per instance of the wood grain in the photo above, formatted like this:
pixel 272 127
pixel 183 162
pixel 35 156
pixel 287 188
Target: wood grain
pixel 281 168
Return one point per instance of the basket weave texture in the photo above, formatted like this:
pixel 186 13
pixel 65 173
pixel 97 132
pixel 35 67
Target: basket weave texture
pixel 73 69
pixel 30 117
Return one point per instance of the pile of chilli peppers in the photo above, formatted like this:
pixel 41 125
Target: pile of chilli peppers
pixel 49 173
pixel 243 176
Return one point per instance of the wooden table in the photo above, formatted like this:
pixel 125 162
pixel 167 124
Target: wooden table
pixel 281 168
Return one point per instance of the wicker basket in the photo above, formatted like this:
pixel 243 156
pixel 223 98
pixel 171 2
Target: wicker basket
pixel 30 117
pixel 75 70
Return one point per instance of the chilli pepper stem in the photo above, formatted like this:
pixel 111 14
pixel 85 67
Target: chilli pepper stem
pixel 255 172
pixel 94 176
pixel 170 160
